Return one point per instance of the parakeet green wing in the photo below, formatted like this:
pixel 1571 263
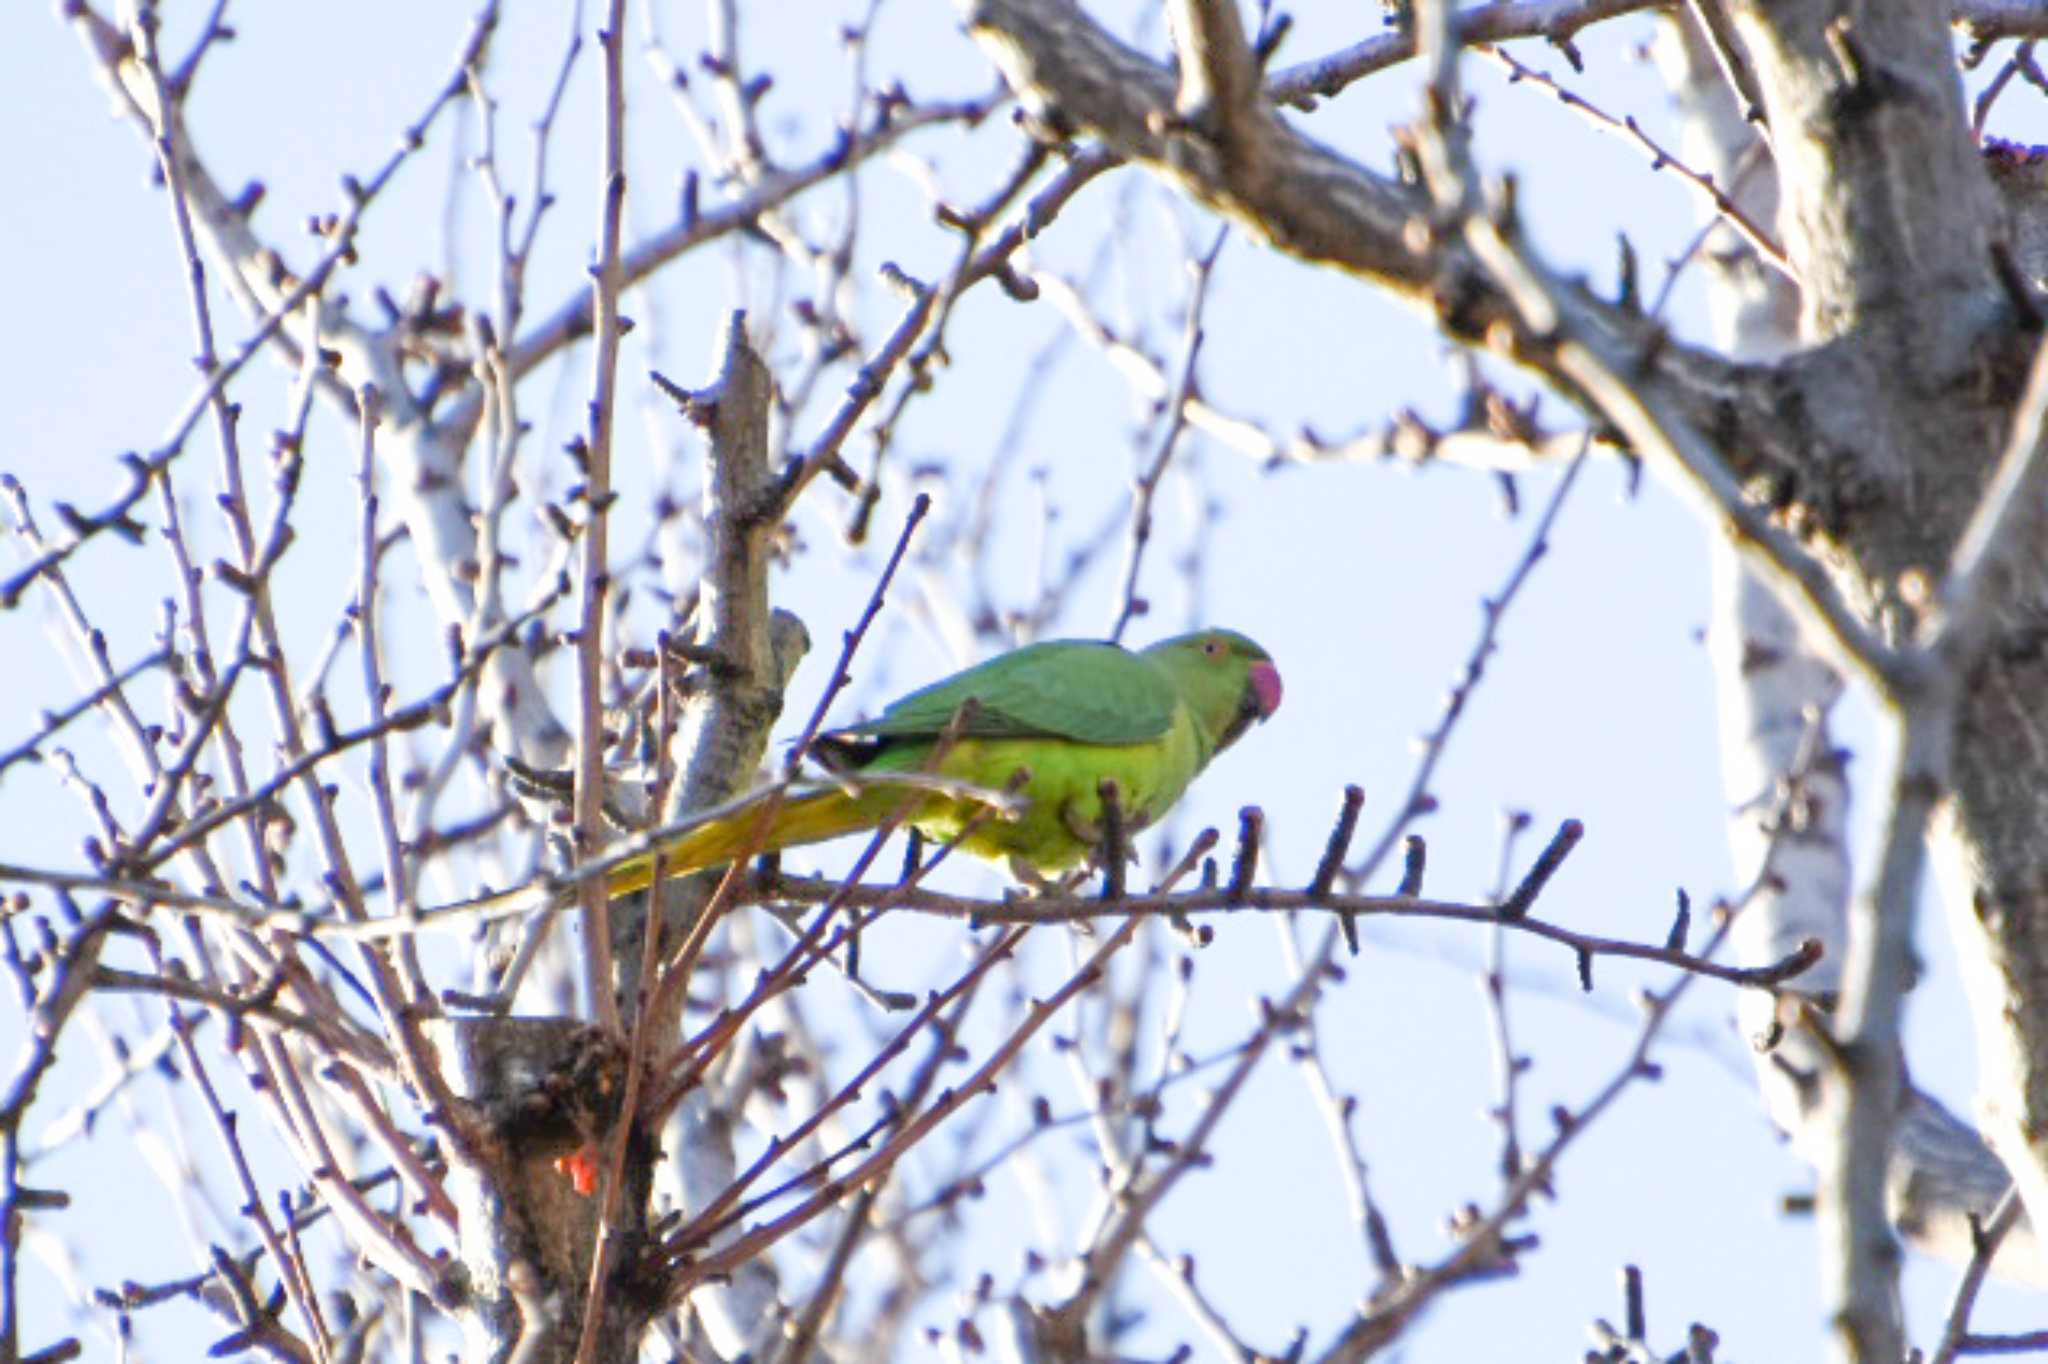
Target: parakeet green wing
pixel 1067 716
pixel 1083 690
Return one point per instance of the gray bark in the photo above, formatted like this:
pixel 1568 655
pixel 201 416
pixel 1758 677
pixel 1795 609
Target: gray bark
pixel 534 1085
pixel 1774 690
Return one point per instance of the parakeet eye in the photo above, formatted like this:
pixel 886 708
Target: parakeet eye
pixel 1213 648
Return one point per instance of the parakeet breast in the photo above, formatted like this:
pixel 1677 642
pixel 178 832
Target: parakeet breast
pixel 1061 823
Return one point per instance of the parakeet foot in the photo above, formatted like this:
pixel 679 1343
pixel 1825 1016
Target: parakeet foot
pixel 1031 882
pixel 1091 832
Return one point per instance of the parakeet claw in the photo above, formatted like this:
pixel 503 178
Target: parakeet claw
pixel 1030 881
pixel 1033 884
pixel 1091 833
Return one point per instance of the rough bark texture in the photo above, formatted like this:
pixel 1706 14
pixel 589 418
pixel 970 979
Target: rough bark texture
pixel 540 1088
pixel 734 701
pixel 1774 693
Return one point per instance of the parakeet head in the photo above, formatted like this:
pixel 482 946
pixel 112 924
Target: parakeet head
pixel 1226 680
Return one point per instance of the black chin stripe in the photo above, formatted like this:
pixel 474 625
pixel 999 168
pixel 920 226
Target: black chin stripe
pixel 1247 711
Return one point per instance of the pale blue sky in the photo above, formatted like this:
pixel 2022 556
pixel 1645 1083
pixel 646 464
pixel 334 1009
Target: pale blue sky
pixel 1363 581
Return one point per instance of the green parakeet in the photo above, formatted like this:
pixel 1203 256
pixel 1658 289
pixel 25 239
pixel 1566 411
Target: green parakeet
pixel 1069 713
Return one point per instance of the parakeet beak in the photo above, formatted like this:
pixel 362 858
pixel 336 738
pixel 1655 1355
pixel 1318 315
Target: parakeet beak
pixel 1266 688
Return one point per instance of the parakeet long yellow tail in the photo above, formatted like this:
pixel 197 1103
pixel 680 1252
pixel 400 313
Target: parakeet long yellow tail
pixel 1007 760
pixel 810 818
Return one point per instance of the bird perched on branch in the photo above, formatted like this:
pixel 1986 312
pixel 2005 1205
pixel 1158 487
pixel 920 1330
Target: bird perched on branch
pixel 1049 723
